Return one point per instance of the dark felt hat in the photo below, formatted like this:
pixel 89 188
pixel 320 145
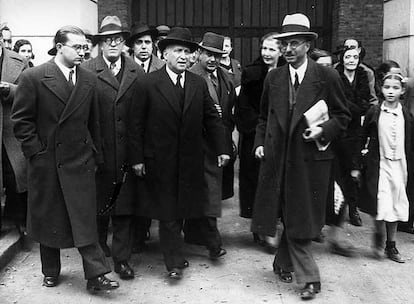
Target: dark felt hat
pixel 163 30
pixel 139 30
pixel 213 42
pixel 178 36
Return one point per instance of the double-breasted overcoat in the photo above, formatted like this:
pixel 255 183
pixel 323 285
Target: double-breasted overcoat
pixel 169 141
pixel 59 133
pixel 294 175
pixel 13 65
pixel 114 103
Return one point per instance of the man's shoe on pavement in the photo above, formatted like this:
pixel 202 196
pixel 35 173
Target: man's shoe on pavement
pixel 355 219
pixel 50 281
pixel 124 270
pixel 342 248
pixel 284 276
pixel 175 274
pixel 101 283
pixel 310 290
pixel 215 254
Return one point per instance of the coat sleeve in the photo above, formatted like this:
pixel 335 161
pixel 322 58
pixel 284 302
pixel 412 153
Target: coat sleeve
pixel 95 128
pixel 24 116
pixel 262 121
pixel 136 122
pixel 337 106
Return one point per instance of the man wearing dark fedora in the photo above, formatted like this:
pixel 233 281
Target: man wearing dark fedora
pixel 55 115
pixel 118 78
pixel 166 136
pixel 162 30
pixel 141 44
pixel 204 230
pixel 296 157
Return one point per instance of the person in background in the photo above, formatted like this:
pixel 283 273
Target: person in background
pixel 13 176
pixel 387 166
pixel 56 119
pixel 204 230
pixel 163 31
pixel 7 36
pixel 231 65
pixel 322 57
pixel 355 81
pixel 141 44
pixel 23 47
pixel 246 112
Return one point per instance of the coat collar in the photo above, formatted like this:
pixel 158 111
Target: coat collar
pixel 13 65
pixel 104 73
pixel 131 71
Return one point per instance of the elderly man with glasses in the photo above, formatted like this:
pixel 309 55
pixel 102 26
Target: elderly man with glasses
pixel 293 143
pixel 55 116
pixel 117 82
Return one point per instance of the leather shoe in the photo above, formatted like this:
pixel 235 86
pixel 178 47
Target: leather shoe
pixel 342 248
pixel 393 254
pixel 101 283
pixel 175 274
pixel 284 276
pixel 215 254
pixel 355 219
pixel 124 270
pixel 310 290
pixel 405 228
pixel 50 281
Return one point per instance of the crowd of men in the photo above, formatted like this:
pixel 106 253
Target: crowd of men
pixel 144 131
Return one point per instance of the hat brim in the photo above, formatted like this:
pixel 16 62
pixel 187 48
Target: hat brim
pixel 211 49
pixel 310 35
pixel 52 51
pixel 130 41
pixel 162 44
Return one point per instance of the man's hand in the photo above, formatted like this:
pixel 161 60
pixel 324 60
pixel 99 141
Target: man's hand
pixel 4 88
pixel 222 160
pixel 259 152
pixel 139 169
pixel 356 176
pixel 312 133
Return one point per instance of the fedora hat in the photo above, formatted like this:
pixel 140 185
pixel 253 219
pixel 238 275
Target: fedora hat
pixel 212 42
pixel 179 36
pixel 163 30
pixel 110 25
pixel 139 30
pixel 296 25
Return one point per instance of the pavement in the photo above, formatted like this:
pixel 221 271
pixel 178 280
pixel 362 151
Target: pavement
pixel 243 276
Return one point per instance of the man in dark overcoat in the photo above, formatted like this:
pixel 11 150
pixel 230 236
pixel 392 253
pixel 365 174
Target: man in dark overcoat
pixel 166 139
pixel 294 173
pixel 55 116
pixel 204 230
pixel 117 81
pixel 13 164
pixel 141 44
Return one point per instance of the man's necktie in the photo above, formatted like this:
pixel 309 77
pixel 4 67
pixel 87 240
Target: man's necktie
pixel 112 67
pixel 180 91
pixel 143 67
pixel 296 84
pixel 214 80
pixel 70 81
pixel 178 83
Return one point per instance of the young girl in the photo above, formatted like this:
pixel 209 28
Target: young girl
pixel 387 137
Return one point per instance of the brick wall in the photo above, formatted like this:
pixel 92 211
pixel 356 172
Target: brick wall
pixel 120 8
pixel 363 20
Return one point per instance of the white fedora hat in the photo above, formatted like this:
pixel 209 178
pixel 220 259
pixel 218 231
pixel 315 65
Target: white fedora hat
pixel 296 25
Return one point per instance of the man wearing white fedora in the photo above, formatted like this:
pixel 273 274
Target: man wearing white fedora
pixel 296 158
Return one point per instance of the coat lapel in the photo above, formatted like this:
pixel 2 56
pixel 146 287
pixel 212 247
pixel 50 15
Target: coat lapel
pixel 280 104
pixel 11 67
pixel 130 74
pixel 166 88
pixel 81 90
pixel 105 74
pixel 189 90
pixel 307 94
pixel 56 82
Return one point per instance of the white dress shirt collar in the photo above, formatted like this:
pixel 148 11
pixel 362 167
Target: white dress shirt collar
pixel 173 76
pixel 65 70
pixel 300 71
pixel 146 63
pixel 118 64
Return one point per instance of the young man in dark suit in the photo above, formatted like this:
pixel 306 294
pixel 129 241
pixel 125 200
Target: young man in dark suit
pixel 166 136
pixel 55 116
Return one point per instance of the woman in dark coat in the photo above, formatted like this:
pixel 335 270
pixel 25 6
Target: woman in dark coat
pixel 246 116
pixel 355 81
